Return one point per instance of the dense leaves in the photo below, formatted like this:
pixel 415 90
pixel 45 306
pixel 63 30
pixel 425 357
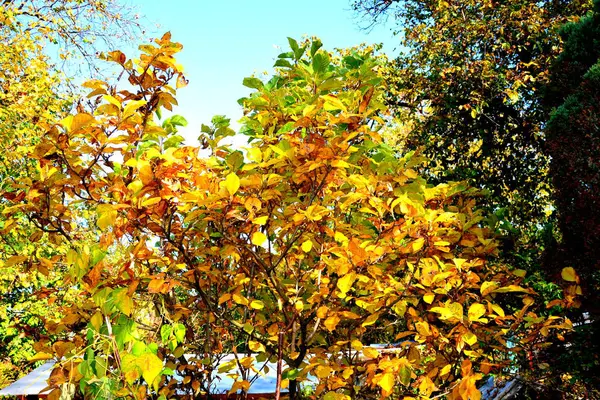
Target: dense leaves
pixel 33 91
pixel 318 236
pixel 573 140
pixel 27 97
pixel 468 84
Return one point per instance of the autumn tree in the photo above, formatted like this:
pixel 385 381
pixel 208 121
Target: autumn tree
pixel 306 244
pixel 74 30
pixel 468 81
pixel 33 92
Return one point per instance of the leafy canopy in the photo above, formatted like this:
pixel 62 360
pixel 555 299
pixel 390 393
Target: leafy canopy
pixel 317 235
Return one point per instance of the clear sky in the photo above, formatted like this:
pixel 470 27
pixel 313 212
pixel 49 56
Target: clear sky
pixel 225 41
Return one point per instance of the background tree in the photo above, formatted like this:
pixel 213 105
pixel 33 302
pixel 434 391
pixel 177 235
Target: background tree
pixel 573 143
pixel 471 89
pixel 469 79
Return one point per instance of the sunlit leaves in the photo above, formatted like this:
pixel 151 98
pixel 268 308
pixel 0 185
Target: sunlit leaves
pixel 258 238
pixel 319 237
pixel 476 311
pixel 231 183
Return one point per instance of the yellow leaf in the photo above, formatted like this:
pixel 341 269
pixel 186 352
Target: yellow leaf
pixel 370 352
pixel 423 328
pixel 341 238
pixel 511 288
pixel 333 103
pixel 257 304
pixel 386 383
pixel 231 184
pixel 258 238
pixel 131 107
pixel 345 282
pixel 80 120
pixel 498 310
pixel 322 312
pixel 371 319
pixel 569 274
pixel 255 154
pixel 428 298
pixel 427 386
pixel 240 299
pixel 40 356
pixel 260 220
pixel 322 371
pixel 418 244
pixel 487 287
pixel 107 217
pixel 307 246
pixel 356 345
pixel 97 321
pixel 112 100
pixel 445 370
pixel 476 311
pixel 253 204
pixel 145 172
pixel 151 201
pixel 470 338
pixel 256 346
pixel 331 322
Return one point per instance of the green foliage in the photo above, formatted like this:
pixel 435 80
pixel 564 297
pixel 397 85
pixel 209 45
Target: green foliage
pixel 468 86
pixel 573 139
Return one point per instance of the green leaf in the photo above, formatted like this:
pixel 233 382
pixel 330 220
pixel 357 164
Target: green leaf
pixel 404 375
pixel 291 374
pixel 178 120
pixel 320 63
pixel 165 332
pixel 122 301
pixel 179 331
pixel 314 47
pixel 282 63
pixel 173 141
pixel 293 45
pixel 253 83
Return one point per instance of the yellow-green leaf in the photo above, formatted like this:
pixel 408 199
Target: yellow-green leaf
pixel 470 338
pixel 345 282
pixel 569 274
pixel 257 304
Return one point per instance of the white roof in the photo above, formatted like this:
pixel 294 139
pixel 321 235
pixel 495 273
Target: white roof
pixel 32 383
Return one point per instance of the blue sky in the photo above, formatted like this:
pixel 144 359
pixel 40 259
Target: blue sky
pixel 225 41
